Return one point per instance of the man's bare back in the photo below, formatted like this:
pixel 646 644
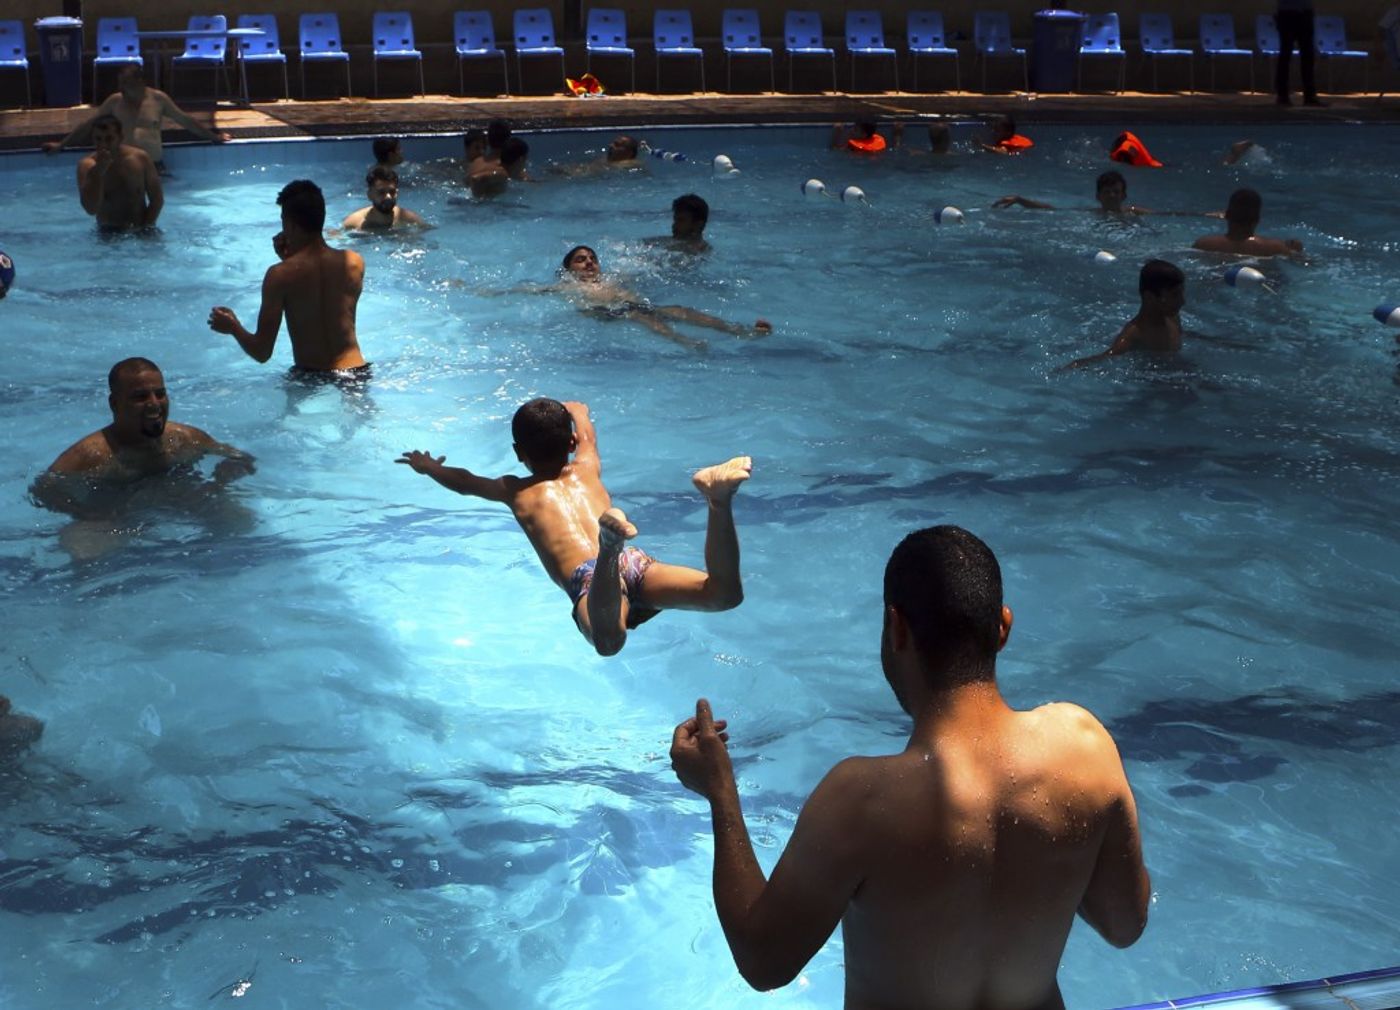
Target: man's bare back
pixel 955 867
pixel 320 289
pixel 976 851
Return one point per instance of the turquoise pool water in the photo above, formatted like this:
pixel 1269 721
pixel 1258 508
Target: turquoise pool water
pixel 340 741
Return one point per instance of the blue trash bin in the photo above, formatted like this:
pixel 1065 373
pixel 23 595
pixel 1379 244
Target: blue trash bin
pixel 1055 49
pixel 61 56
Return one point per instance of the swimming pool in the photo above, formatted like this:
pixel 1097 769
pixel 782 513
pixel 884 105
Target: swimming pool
pixel 351 751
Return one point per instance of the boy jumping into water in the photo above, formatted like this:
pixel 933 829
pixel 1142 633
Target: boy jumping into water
pixel 581 540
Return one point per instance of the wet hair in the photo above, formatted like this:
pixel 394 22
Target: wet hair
pixel 128 366
pixel 1159 276
pixel 107 119
pixel 473 136
pixel 1244 207
pixel 542 429
pixel 1108 179
pixel 498 131
pixel 632 144
pixel 866 128
pixel 385 146
pixel 570 255
pixel 131 72
pixel 1004 123
pixel 693 205
pixel 303 202
pixel 514 150
pixel 380 173
pixel 939 136
pixel 946 584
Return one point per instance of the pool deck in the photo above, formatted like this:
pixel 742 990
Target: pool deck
pixel 25 129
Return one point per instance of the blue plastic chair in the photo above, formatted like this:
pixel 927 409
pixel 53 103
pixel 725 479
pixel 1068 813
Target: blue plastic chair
pixel 320 43
pixel 606 35
pixel 1218 39
pixel 865 36
pixel 117 46
pixel 802 35
pixel 1157 40
pixel 991 34
pixel 534 36
pixel 1102 39
pixel 925 36
pixel 264 48
pixel 673 35
pixel 12 54
pixel 1330 37
pixel 205 53
pixel 742 37
pixel 476 39
pixel 392 34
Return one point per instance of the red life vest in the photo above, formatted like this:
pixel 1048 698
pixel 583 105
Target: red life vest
pixel 1131 151
pixel 1016 143
pixel 873 144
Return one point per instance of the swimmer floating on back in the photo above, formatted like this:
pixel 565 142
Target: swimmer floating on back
pixel 582 281
pixel 567 513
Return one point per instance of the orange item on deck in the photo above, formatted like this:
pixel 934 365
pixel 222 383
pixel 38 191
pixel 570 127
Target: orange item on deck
pixel 1016 142
pixel 1131 151
pixel 866 145
pixel 585 85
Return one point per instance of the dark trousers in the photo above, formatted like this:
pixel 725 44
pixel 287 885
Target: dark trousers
pixel 1295 28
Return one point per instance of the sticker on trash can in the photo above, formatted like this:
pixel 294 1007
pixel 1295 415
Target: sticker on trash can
pixel 58 49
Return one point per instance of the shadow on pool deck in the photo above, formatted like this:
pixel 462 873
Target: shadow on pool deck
pixel 24 129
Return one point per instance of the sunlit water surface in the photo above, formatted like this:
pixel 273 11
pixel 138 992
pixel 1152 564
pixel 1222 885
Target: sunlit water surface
pixel 336 736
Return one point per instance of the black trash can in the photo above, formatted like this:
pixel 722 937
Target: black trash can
pixel 1055 50
pixel 61 56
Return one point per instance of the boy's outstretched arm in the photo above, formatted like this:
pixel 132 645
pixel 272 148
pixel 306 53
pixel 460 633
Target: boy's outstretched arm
pixel 456 478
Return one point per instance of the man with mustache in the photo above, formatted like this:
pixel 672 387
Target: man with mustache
pixel 383 211
pixel 140 442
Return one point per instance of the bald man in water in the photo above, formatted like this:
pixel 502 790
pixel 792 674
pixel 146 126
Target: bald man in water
pixel 956 867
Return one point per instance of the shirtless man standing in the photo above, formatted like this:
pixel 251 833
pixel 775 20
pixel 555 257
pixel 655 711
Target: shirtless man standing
pixel 315 286
pixel 383 210
pixel 1157 326
pixel 581 540
pixel 141 110
pixel 1241 218
pixel 957 866
pixel 117 183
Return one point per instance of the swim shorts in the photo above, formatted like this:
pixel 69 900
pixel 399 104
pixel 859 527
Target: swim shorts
pixel 346 378
pixel 632 568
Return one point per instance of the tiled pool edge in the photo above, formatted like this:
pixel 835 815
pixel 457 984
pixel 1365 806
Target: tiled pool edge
pixel 1340 991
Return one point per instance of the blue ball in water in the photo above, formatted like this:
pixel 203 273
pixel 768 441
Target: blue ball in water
pixel 1387 314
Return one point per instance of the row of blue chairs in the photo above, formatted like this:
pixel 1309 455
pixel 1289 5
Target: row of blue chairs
pixel 1217 40
pixel 320 41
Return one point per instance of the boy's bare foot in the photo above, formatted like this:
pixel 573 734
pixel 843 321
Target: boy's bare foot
pixel 719 482
pixel 614 529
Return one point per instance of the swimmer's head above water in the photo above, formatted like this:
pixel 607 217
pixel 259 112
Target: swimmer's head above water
pixel 689 214
pixel 1245 208
pixel 474 145
pixel 1162 286
pixel 623 148
pixel 107 132
pixel 1111 190
pixel 387 151
pixel 131 82
pixel 303 212
pixel 140 406
pixel 383 189
pixel 581 263
pixel 543 433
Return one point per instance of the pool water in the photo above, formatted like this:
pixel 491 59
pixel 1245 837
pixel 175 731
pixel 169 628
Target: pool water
pixel 334 741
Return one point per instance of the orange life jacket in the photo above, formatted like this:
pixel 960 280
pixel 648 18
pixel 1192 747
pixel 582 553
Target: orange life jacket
pixel 1131 151
pixel 585 85
pixel 873 144
pixel 1016 142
